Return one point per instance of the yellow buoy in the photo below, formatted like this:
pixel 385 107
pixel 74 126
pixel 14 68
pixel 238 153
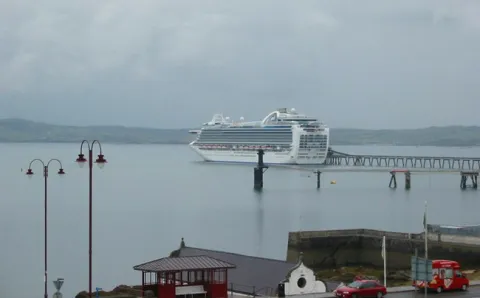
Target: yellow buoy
pixel 333 182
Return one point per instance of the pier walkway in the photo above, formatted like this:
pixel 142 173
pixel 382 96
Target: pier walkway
pixel 468 167
pixel 336 158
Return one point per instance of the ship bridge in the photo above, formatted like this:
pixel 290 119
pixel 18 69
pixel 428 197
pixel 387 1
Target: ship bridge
pixel 286 115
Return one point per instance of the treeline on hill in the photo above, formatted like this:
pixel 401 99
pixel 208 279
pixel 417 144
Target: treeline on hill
pixel 17 130
pixel 14 130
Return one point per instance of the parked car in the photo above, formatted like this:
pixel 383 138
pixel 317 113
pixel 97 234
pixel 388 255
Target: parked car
pixel 361 288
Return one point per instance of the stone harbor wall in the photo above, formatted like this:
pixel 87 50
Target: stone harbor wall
pixel 362 247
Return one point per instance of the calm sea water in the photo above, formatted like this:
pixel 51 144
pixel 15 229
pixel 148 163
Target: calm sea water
pixel 149 196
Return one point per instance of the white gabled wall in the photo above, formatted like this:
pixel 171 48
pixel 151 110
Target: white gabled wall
pixel 303 281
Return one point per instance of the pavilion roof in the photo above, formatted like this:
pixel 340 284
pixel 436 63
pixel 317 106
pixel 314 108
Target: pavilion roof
pixel 183 264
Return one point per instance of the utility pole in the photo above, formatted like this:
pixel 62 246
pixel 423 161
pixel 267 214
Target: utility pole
pixel 426 249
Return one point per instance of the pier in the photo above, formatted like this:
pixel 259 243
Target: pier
pixel 336 158
pixel 467 167
pixel 258 171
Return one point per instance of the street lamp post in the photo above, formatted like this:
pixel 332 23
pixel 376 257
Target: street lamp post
pixel 100 161
pixel 45 176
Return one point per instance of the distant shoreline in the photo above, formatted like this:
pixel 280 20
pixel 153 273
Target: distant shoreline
pixel 80 140
pixel 24 131
pixel 186 144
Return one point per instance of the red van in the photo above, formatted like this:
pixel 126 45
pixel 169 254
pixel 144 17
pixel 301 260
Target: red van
pixel 446 276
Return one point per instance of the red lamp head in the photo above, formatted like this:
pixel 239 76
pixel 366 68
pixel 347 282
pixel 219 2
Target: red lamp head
pixel 81 160
pixel 61 172
pixel 100 161
pixel 29 173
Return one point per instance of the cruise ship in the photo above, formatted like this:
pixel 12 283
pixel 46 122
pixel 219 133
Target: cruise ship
pixel 286 137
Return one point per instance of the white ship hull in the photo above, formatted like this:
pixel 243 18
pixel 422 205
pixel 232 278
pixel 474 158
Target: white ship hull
pixel 251 157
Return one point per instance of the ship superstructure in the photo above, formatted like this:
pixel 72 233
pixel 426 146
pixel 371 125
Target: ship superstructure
pixel 286 137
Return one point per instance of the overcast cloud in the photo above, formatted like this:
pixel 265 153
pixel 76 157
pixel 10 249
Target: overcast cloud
pixel 369 64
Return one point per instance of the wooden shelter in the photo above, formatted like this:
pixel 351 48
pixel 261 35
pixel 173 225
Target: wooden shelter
pixel 186 277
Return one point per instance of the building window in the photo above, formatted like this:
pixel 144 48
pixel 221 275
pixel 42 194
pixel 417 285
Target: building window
pixel 301 282
pixel 219 276
pixel 449 273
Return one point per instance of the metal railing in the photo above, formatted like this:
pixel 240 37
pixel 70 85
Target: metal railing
pixel 250 290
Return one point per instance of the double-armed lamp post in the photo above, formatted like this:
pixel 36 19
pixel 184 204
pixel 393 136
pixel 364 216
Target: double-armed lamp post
pixel 61 172
pixel 100 161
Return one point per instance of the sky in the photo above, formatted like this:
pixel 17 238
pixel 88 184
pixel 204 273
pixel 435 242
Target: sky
pixel 173 64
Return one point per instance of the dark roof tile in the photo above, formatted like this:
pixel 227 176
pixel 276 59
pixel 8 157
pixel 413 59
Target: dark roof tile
pixel 197 262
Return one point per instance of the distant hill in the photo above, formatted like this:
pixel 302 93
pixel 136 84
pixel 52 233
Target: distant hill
pixel 431 136
pixel 18 130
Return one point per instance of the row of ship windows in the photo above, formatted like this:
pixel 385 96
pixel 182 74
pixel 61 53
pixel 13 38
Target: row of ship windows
pixel 248 136
pixel 318 153
pixel 246 140
pixel 224 132
pixel 321 136
pixel 253 128
pixel 281 144
pixel 246 148
pixel 252 147
pixel 301 145
pixel 243 144
pixel 317 137
pixel 254 131
pixel 276 135
pixel 314 143
pixel 286 133
pixel 261 132
pixel 311 157
pixel 287 142
pixel 313 147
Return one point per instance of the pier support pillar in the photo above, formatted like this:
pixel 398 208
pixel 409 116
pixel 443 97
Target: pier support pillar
pixel 318 173
pixel 473 177
pixel 463 181
pixel 393 181
pixel 258 171
pixel 408 180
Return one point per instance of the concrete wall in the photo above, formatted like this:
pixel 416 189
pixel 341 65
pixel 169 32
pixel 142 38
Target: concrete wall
pixel 362 247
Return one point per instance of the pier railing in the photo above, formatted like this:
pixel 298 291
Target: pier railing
pixel 336 158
